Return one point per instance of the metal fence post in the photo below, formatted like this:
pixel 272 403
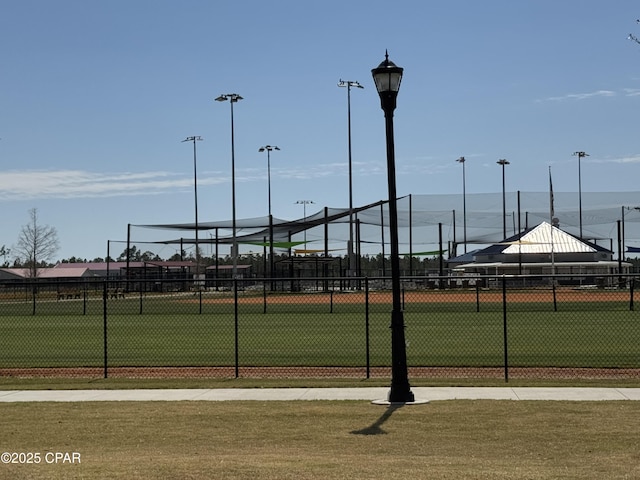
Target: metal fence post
pixel 632 284
pixel 235 316
pixel 331 301
pixel 104 326
pixel 84 298
pixel 366 309
pixel 264 295
pixel 504 329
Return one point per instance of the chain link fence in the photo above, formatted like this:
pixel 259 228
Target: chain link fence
pixel 471 327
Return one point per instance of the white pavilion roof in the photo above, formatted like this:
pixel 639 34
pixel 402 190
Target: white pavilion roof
pixel 546 238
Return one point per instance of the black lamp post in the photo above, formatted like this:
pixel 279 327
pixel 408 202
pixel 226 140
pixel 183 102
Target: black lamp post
pixel 269 149
pixel 503 162
pixel 233 98
pixel 387 77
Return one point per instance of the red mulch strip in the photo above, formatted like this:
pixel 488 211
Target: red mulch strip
pixel 325 372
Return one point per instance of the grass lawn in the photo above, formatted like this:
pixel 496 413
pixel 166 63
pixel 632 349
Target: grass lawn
pixel 160 331
pixel 452 329
pixel 327 440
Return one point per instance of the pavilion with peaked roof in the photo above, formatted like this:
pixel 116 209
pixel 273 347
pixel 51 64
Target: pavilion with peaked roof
pixel 542 250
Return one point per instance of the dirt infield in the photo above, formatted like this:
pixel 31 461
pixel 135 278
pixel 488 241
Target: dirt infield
pixel 327 372
pixel 427 296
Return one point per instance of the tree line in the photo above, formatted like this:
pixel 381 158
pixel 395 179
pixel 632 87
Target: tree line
pixel 38 244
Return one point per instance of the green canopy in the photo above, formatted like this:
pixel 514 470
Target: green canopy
pixel 275 244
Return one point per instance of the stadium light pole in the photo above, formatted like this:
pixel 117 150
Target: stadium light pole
pixel 269 149
pixel 348 84
pixel 580 155
pixel 233 98
pixel 304 204
pixel 387 77
pixel 195 139
pixel 503 162
pixel 464 203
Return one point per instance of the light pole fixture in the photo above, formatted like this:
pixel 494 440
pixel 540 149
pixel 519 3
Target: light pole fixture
pixel 503 162
pixel 233 98
pixel 580 155
pixel 348 84
pixel 195 139
pixel 464 203
pixel 304 204
pixel 387 77
pixel 269 149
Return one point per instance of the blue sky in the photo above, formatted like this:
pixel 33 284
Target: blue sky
pixel 96 98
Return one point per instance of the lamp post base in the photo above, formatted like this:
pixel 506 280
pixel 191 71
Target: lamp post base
pixel 400 391
pixel 387 402
pixel 402 394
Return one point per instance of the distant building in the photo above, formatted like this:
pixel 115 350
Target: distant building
pixel 165 275
pixel 76 272
pixel 542 250
pixel 157 270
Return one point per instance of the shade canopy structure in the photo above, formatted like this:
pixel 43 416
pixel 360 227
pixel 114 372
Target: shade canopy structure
pixel 426 223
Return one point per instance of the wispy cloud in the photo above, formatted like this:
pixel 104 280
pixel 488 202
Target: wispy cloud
pixel 28 184
pixel 628 159
pixel 67 184
pixel 581 96
pixel 625 92
pixel 422 168
pixel 307 172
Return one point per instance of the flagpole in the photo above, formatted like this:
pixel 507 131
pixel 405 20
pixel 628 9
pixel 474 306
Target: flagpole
pixel 551 214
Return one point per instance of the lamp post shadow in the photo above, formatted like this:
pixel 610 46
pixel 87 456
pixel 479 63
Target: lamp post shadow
pixel 376 427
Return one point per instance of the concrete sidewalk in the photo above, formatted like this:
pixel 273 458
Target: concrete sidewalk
pixel 290 394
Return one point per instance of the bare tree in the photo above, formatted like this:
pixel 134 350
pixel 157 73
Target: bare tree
pixel 37 244
pixel 4 253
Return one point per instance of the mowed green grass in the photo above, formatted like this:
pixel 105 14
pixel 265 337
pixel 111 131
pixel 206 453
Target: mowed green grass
pixel 179 331
pixel 306 440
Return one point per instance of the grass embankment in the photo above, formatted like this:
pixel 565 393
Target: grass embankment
pixel 328 440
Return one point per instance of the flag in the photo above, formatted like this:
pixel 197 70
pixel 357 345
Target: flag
pixel 551 210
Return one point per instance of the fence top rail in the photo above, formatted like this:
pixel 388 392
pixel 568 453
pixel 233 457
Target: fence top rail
pixel 98 282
